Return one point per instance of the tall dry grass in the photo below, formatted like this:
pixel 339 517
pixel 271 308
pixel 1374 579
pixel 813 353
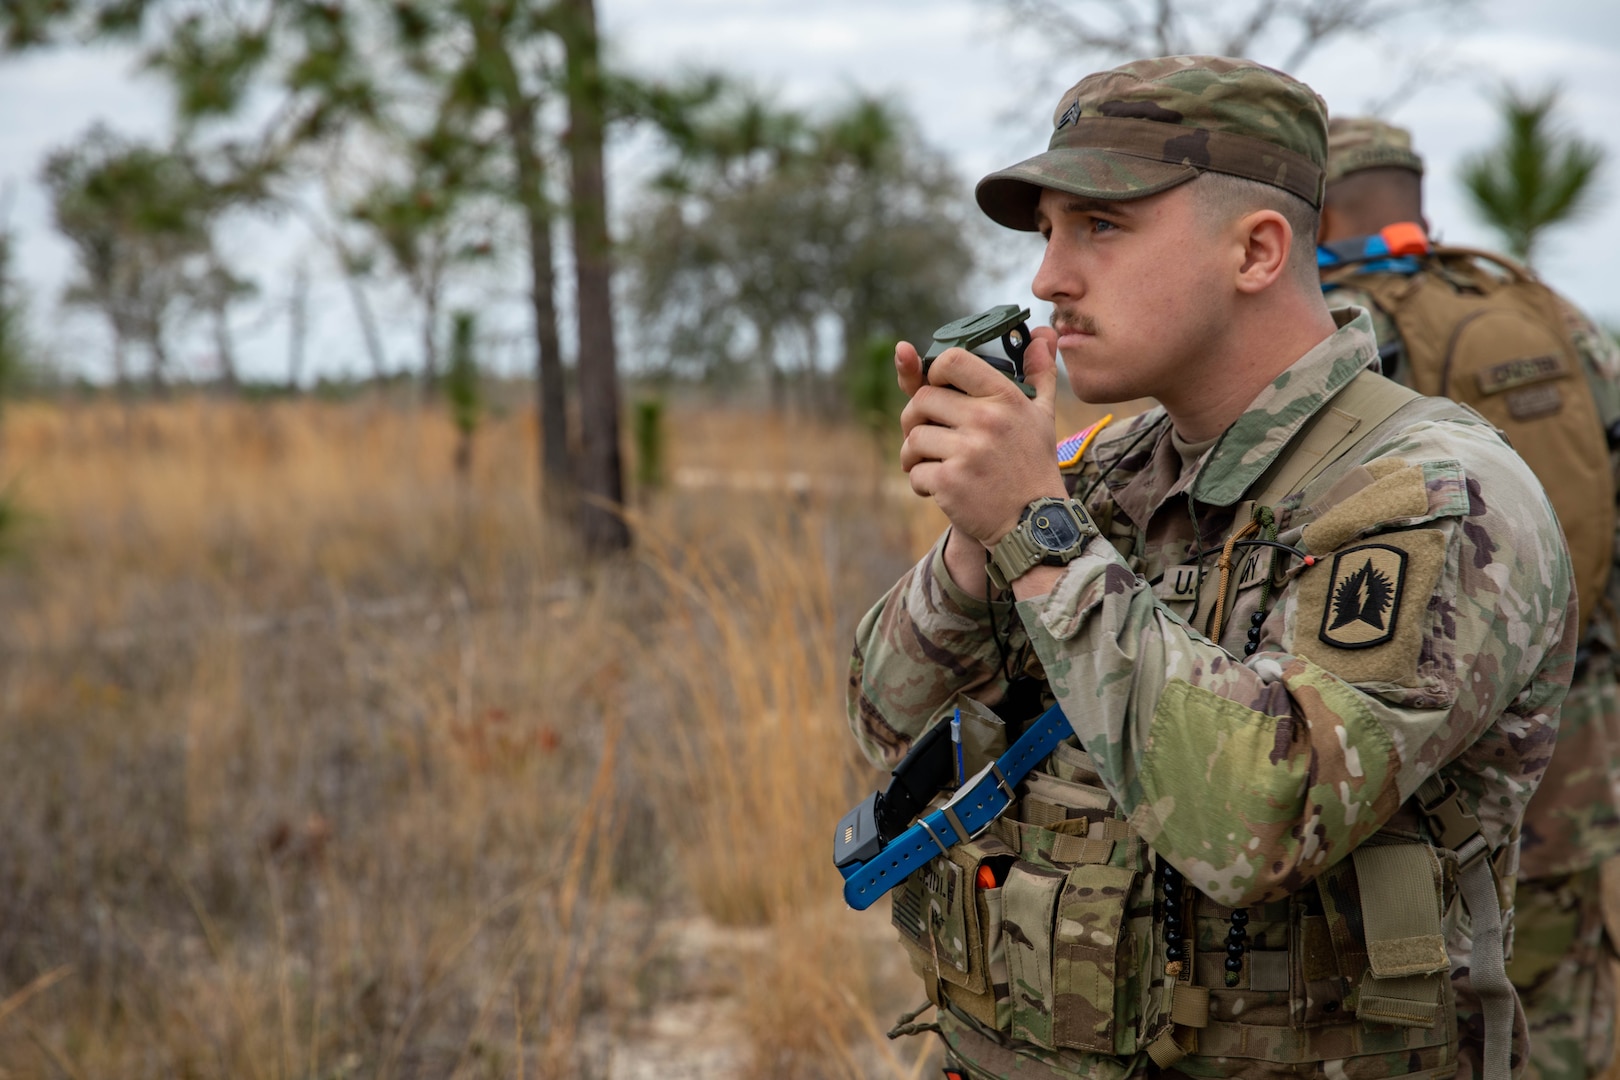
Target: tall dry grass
pixel 320 766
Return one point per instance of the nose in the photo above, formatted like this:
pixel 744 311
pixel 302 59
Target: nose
pixel 1059 276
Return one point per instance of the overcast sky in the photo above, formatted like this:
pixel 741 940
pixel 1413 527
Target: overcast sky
pixel 981 93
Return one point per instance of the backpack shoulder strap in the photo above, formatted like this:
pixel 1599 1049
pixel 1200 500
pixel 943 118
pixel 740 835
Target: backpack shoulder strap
pixel 1455 827
pixel 1336 429
pixel 1515 270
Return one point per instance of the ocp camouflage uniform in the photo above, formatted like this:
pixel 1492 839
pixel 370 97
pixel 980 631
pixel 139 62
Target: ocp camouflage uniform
pixel 1562 954
pixel 1255 778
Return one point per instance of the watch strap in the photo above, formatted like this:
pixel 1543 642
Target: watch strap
pixel 1017 552
pixel 1013 557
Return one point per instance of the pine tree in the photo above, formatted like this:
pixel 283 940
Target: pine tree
pixel 1536 176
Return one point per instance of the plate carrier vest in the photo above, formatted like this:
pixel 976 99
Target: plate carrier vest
pixel 1354 963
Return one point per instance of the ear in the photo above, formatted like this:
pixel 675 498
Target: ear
pixel 1267 239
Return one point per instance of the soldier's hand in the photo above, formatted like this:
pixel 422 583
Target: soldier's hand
pixel 907 368
pixel 974 442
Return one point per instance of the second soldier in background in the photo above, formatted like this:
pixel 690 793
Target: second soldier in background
pixel 1479 329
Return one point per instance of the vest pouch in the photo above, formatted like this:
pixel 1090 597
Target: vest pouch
pixel 1096 975
pixel 983 734
pixel 944 924
pixel 1076 934
pixel 1029 907
pixel 991 914
pixel 1408 970
pixel 1386 907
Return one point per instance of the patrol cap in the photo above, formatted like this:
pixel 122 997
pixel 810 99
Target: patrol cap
pixel 1365 142
pixel 1146 126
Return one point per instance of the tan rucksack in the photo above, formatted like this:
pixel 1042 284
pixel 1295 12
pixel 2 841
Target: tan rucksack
pixel 1480 329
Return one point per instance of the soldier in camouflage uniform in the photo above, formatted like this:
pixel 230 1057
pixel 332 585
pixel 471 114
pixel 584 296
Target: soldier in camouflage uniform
pixel 1562 952
pixel 1311 617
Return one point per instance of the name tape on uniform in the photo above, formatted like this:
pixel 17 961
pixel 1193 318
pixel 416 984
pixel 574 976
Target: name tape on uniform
pixel 1180 583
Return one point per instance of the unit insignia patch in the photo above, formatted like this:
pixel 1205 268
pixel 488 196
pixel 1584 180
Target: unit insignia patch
pixel 1364 599
pixel 1363 613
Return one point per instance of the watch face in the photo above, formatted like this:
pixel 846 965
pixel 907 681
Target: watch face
pixel 1053 527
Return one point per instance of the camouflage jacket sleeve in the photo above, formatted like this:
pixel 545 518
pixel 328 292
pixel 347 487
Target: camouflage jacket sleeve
pixel 930 640
pixel 1252 776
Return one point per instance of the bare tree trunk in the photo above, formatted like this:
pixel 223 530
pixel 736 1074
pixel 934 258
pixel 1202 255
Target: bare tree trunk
pixel 219 305
pixel 430 341
pixel 362 307
pixel 159 375
pixel 225 349
pixel 297 326
pixel 556 479
pixel 120 357
pixel 602 470
pixel 773 371
pixel 551 396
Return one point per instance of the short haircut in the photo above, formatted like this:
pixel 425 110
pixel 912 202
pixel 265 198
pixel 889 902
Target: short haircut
pixel 1369 199
pixel 1225 198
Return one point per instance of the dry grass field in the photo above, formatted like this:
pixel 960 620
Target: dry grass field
pixel 319 765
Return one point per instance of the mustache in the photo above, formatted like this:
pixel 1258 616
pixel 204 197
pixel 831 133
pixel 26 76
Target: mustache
pixel 1072 322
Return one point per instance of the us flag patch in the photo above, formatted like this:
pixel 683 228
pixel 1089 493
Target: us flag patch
pixel 1072 449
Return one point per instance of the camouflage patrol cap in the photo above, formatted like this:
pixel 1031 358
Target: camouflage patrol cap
pixel 1363 142
pixel 1149 125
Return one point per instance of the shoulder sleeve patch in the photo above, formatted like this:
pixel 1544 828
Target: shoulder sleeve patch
pixel 1399 496
pixel 1363 613
pixel 1072 449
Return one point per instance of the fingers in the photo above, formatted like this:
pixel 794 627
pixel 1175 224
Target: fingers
pixel 927 442
pixel 969 374
pixel 961 386
pixel 1042 351
pixel 923 477
pixel 907 368
pixel 944 406
pixel 1040 367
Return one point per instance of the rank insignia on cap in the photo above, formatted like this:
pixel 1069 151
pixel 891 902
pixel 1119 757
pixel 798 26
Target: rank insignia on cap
pixel 1364 597
pixel 1070 115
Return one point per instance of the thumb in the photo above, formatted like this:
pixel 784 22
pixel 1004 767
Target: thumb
pixel 908 368
pixel 1040 367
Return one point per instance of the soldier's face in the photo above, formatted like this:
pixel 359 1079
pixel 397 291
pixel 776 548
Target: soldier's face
pixel 1136 289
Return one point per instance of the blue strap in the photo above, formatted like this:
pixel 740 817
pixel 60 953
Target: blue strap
pixel 1372 252
pixel 975 805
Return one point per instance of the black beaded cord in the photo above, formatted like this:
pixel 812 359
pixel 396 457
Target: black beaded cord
pixel 1235 944
pixel 1237 932
pixel 1175 951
